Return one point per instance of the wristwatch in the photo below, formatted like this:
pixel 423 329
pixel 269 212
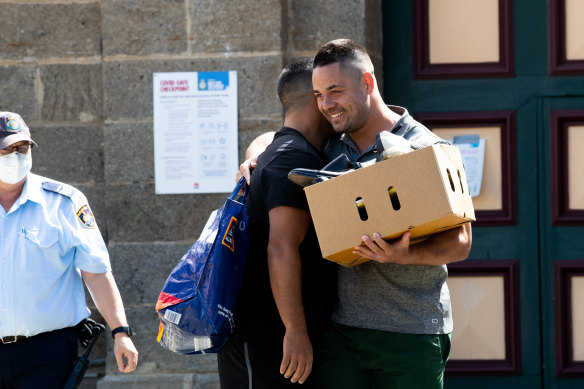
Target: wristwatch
pixel 127 330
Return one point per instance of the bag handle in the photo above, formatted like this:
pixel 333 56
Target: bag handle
pixel 241 184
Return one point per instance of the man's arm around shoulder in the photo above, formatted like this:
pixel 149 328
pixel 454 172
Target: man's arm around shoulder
pixel 255 148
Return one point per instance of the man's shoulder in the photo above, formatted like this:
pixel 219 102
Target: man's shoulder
pixel 53 187
pixel 415 132
pixel 61 188
pixel 287 139
pixel 291 145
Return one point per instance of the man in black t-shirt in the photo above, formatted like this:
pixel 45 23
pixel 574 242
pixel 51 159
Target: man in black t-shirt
pixel 288 289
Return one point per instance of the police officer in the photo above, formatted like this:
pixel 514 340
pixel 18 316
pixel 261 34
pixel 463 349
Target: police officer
pixel 49 245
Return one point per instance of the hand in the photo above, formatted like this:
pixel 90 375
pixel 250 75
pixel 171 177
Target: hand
pixel 124 348
pixel 298 357
pixel 245 169
pixel 381 251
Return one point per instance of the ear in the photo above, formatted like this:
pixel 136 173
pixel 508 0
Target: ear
pixel 369 82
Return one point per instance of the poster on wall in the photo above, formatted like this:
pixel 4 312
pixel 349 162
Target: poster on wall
pixel 472 151
pixel 195 132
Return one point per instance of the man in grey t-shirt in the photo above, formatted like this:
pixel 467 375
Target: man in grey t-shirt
pixel 391 327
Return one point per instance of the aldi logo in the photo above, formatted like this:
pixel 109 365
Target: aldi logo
pixel 228 237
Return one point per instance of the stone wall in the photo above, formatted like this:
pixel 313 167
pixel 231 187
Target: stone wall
pixel 80 74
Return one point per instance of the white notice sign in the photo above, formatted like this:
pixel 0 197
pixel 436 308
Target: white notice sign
pixel 195 132
pixel 472 151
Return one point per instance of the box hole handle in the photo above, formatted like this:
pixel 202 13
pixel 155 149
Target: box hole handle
pixel 361 208
pixel 460 180
pixel 394 199
pixel 450 179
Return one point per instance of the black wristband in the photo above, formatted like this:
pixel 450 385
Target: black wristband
pixel 127 330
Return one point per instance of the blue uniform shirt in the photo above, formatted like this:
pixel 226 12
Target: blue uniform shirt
pixel 46 238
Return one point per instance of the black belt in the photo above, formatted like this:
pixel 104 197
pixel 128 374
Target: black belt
pixel 12 339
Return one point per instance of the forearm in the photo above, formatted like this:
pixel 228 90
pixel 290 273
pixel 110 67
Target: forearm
pixel 444 248
pixel 285 279
pixel 107 298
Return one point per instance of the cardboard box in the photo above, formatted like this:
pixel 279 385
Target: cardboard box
pixel 429 194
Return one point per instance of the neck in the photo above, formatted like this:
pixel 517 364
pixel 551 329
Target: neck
pixel 313 128
pixel 9 193
pixel 381 118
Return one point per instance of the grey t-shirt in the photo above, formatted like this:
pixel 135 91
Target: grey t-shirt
pixel 392 297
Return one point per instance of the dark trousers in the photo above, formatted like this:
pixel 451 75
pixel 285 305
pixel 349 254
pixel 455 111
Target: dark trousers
pixel 254 364
pixel 42 361
pixel 360 358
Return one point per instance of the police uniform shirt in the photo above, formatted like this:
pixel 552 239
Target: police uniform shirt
pixel 46 238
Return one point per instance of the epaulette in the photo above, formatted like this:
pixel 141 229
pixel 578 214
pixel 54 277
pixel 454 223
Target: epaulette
pixel 60 188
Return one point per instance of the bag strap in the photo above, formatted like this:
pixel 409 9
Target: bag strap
pixel 241 184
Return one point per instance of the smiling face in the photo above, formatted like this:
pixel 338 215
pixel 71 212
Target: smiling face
pixel 342 96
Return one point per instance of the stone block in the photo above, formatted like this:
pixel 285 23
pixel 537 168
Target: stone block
pixel 71 93
pixel 231 26
pixel 142 269
pixel 128 84
pixel 37 30
pixel 70 154
pixel 129 152
pixel 315 23
pixel 153 359
pixel 17 90
pixel 143 27
pixel 136 214
pixel 249 129
pixel 161 381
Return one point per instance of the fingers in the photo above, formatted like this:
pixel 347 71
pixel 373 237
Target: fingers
pixel 132 362
pixel 304 376
pixel 245 170
pixel 295 369
pixel 126 355
pixel 405 240
pixel 372 249
pixel 292 366
pixel 377 249
pixel 285 363
pixel 378 246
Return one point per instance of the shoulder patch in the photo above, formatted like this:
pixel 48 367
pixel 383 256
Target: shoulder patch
pixel 85 216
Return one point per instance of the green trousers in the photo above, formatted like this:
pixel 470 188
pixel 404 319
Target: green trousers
pixel 358 358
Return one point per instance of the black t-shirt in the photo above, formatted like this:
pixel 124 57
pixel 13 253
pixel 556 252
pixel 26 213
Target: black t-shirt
pixel 257 313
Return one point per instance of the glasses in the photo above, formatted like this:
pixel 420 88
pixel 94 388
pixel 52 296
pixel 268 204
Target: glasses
pixel 22 149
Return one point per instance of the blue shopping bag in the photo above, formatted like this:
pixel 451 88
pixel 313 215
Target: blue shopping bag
pixel 197 303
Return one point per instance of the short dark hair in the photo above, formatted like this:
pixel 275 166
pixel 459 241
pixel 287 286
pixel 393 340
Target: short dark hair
pixel 343 51
pixel 295 83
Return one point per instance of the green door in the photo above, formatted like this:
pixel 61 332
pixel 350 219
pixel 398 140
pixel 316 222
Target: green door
pixel 533 242
pixel 561 239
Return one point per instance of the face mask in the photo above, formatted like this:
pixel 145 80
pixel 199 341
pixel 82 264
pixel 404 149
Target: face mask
pixel 14 167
